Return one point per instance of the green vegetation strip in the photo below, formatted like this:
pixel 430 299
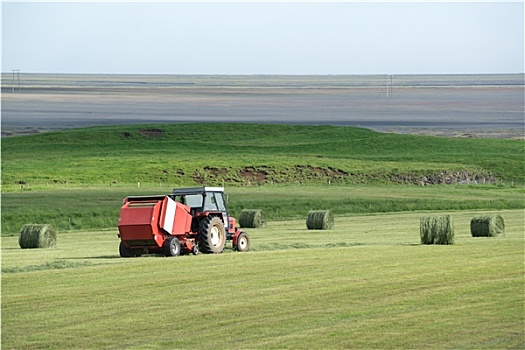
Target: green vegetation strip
pixel 242 154
pixel 385 291
pixel 98 208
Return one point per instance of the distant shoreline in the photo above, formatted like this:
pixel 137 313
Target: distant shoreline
pixel 470 105
pixel 29 80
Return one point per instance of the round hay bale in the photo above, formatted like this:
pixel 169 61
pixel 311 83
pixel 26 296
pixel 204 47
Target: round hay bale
pixel 252 218
pixel 487 226
pixel 436 230
pixel 37 236
pixel 320 220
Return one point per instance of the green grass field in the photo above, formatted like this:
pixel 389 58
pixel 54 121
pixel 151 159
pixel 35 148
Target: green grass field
pixel 368 283
pixel 239 154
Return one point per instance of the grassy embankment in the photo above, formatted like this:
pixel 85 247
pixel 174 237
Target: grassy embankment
pixel 76 179
pixel 242 153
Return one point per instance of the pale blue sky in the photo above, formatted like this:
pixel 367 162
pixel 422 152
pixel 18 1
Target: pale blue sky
pixel 263 38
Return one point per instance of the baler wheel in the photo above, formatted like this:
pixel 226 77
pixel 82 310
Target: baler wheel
pixel 212 236
pixel 124 252
pixel 172 246
pixel 243 242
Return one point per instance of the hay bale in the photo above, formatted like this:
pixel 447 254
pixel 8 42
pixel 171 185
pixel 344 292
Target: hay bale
pixel 37 236
pixel 320 220
pixel 252 218
pixel 487 226
pixel 436 230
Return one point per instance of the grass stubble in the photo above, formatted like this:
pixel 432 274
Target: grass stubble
pixel 367 283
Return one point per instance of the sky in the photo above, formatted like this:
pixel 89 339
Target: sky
pixel 263 37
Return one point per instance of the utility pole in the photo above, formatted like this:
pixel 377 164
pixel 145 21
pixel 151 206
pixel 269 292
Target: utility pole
pixel 389 85
pixel 16 72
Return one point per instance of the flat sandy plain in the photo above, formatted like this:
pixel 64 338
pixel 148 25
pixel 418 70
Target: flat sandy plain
pixel 455 105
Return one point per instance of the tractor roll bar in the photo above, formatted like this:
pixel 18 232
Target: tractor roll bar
pixel 196 190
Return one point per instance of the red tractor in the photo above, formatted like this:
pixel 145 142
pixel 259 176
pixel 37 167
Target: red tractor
pixel 189 220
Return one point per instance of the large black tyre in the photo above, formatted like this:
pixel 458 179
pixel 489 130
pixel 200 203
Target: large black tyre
pixel 243 242
pixel 172 246
pixel 124 252
pixel 212 236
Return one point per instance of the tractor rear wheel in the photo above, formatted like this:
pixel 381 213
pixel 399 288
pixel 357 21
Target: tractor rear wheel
pixel 172 246
pixel 212 236
pixel 243 242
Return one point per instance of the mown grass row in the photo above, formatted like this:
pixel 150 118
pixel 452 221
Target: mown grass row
pixel 365 284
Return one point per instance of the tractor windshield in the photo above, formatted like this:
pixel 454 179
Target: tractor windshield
pixel 191 200
pixel 211 201
pixel 214 201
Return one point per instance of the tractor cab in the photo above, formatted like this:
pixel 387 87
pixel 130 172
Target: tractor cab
pixel 203 201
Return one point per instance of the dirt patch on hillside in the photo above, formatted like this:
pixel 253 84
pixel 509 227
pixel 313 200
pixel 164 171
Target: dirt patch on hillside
pixel 443 178
pixel 258 175
pixel 154 133
pixel 516 133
